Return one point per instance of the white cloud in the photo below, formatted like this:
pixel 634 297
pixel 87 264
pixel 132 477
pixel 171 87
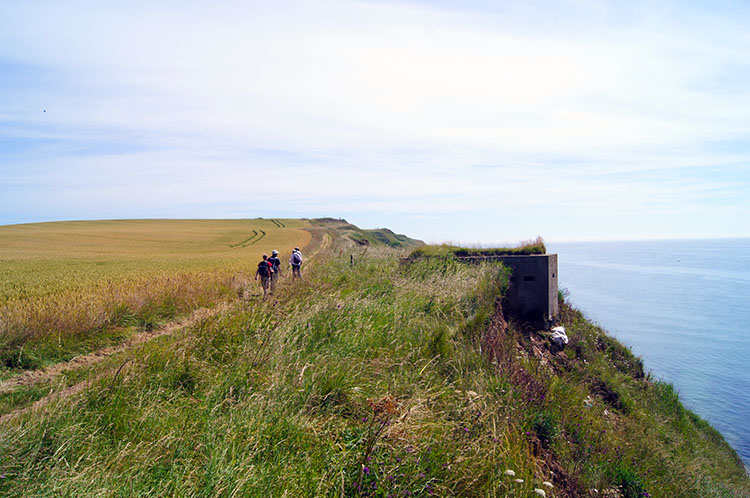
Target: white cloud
pixel 394 104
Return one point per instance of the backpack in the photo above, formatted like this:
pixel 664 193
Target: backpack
pixel 296 258
pixel 264 268
pixel 275 264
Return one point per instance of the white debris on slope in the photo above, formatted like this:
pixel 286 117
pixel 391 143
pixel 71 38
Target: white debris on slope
pixel 558 336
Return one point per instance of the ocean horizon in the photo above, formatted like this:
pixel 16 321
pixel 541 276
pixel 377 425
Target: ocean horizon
pixel 683 306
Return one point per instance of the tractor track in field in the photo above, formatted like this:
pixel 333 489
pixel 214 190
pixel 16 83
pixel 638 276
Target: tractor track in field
pixel 262 234
pixel 49 374
pixel 247 240
pixel 255 237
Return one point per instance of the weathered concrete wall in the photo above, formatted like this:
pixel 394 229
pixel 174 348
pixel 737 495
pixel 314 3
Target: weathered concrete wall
pixel 532 294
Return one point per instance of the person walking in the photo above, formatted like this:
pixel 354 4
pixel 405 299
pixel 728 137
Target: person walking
pixel 264 271
pixel 276 267
pixel 296 262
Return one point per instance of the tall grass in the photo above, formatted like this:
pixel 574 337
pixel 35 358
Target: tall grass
pixel 526 247
pixel 371 379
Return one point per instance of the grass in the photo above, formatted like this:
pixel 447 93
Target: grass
pixel 528 247
pixel 371 379
pixel 367 237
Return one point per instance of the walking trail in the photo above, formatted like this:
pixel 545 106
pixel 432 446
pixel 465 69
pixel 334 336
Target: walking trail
pixel 48 374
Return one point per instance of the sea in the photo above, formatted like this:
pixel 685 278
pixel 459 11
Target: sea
pixel 681 305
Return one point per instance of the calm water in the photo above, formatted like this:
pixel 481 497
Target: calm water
pixel 684 307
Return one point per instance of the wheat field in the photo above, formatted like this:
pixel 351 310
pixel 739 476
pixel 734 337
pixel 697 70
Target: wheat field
pixel 65 278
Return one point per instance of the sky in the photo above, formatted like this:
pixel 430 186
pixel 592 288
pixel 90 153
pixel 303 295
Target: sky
pixel 475 122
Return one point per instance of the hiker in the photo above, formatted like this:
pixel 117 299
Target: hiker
pixel 265 270
pixel 296 262
pixel 276 267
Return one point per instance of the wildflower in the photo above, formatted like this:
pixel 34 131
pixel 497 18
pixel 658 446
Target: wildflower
pixel 366 469
pixel 519 481
pixel 548 484
pixel 510 473
pixel 540 492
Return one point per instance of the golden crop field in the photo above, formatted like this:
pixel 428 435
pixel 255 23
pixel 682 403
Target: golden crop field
pixel 43 258
pixel 67 277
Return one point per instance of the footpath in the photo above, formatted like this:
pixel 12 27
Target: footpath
pixel 49 374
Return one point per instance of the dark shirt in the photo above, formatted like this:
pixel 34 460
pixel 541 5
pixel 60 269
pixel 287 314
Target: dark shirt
pixel 275 262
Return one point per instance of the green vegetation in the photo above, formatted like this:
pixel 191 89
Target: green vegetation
pixel 364 237
pixel 368 379
pixel 443 251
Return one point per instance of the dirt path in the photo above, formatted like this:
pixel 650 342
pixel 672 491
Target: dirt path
pixel 40 404
pixel 31 377
pixel 325 244
pixel 321 240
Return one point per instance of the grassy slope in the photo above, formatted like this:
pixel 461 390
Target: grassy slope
pixel 378 379
pixel 528 247
pixel 366 237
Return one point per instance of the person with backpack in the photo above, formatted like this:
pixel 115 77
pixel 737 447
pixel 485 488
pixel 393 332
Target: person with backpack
pixel 264 271
pixel 296 262
pixel 276 267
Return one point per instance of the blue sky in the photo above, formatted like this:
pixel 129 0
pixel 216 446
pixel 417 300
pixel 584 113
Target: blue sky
pixel 475 122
